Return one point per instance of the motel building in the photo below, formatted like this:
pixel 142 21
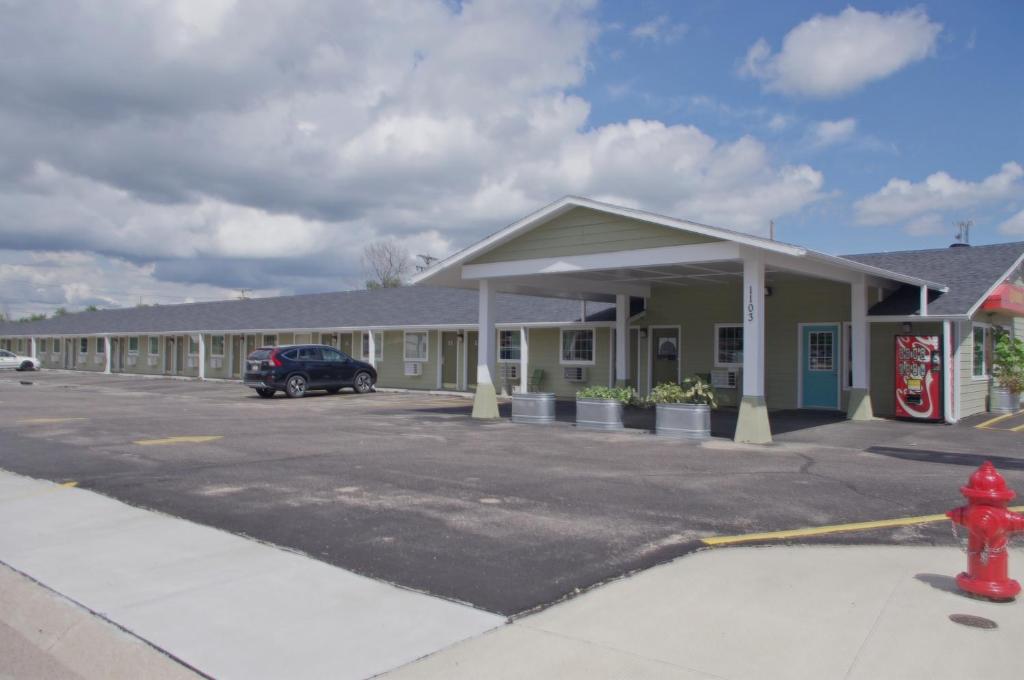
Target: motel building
pixel 587 293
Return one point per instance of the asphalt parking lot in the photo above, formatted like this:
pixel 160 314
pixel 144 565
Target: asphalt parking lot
pixel 408 489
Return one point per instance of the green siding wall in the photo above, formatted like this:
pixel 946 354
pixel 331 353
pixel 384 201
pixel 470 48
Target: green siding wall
pixel 582 231
pixel 545 353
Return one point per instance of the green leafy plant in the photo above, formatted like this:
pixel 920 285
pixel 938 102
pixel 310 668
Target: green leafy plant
pixel 1008 363
pixel 624 394
pixel 693 390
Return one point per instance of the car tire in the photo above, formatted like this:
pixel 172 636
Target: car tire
pixel 266 394
pixel 333 390
pixel 362 383
pixel 295 387
pixel 26 366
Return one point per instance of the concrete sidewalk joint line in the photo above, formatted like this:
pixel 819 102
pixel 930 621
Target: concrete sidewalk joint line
pixel 829 529
pixel 184 439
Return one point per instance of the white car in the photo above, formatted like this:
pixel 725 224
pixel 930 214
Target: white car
pixel 17 362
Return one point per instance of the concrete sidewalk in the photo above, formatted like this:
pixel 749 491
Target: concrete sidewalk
pixel 870 613
pixel 227 606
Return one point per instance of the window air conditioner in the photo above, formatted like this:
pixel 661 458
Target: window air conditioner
pixel 151 361
pixel 216 362
pixel 509 371
pixel 723 378
pixel 574 373
pixel 190 362
pixel 130 360
pixel 413 368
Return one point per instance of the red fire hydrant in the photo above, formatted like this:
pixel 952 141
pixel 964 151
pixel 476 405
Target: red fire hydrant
pixel 989 524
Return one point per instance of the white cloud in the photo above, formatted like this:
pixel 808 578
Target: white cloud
pixel 779 122
pixel 931 224
pixel 659 30
pixel 830 132
pixel 1014 225
pixel 901 199
pixel 288 132
pixel 827 56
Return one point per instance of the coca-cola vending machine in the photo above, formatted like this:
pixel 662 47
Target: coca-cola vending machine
pixel 919 377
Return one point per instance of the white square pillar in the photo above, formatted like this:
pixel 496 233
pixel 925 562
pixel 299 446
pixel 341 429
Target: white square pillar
pixel 106 354
pixel 32 348
pixel 859 404
pixel 752 426
pixel 485 402
pixel 371 347
pixel 621 340
pixel 202 356
pixel 524 360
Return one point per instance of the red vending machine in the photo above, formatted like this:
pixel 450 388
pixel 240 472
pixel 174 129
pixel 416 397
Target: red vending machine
pixel 919 377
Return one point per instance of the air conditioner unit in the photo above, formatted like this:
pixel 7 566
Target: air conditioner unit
pixel 413 368
pixel 723 378
pixel 574 373
pixel 216 362
pixel 131 360
pixel 151 361
pixel 190 362
pixel 99 360
pixel 509 371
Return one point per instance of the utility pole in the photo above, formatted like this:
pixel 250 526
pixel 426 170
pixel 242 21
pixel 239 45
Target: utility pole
pixel 427 261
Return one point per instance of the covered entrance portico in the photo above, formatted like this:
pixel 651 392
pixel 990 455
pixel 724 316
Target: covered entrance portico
pixel 721 304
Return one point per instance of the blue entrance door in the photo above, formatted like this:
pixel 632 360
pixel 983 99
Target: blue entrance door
pixel 819 370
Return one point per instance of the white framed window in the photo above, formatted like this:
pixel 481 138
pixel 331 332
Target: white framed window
pixel 378 342
pixel 42 346
pixel 577 346
pixel 154 345
pixel 133 345
pixel 83 345
pixel 193 346
pixel 217 346
pixel 508 346
pixel 728 345
pixel 821 351
pixel 417 345
pixel 847 354
pixel 269 340
pixel 101 346
pixel 980 335
pixel 54 346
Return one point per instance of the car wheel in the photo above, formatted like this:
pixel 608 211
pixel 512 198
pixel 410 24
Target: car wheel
pixel 333 390
pixel 295 387
pixel 363 383
pixel 26 366
pixel 266 394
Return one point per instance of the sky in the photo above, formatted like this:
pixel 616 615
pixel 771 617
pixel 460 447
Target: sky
pixel 161 151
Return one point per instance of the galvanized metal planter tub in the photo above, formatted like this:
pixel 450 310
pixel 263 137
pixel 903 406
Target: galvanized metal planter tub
pixel 683 421
pixel 1002 400
pixel 533 407
pixel 599 414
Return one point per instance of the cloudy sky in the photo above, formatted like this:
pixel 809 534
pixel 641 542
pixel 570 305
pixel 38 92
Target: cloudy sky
pixel 172 150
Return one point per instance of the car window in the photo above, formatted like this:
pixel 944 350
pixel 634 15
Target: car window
pixel 332 355
pixel 260 355
pixel 5 353
pixel 290 354
pixel 309 354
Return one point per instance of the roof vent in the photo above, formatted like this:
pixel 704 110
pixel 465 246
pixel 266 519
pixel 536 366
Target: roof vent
pixel 963 234
pixel 959 245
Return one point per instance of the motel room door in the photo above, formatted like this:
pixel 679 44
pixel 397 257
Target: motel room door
pixel 819 366
pixel 450 361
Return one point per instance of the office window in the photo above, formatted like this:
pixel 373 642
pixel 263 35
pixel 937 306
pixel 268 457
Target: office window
pixel 83 345
pixel 269 340
pixel 42 346
pixel 133 345
pixel 193 345
pixel 417 346
pixel 728 345
pixel 979 368
pixel 217 345
pixel 154 345
pixel 378 349
pixel 101 346
pixel 508 346
pixel 578 346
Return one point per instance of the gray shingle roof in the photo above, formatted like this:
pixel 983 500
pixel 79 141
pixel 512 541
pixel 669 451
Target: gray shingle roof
pixel 396 307
pixel 969 273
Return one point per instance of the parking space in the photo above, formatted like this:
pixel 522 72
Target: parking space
pixel 406 488
pixel 1007 422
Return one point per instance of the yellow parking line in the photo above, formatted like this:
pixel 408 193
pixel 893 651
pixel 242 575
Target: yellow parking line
pixel 1016 429
pixel 68 485
pixel 186 439
pixel 45 421
pixel 998 419
pixel 829 529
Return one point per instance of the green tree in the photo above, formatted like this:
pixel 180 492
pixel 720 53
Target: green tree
pixel 92 308
pixel 60 311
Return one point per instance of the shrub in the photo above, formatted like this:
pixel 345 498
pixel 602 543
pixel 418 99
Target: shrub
pixel 624 394
pixel 1008 363
pixel 693 390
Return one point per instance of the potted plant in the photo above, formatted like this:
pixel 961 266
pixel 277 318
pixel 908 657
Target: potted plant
pixel 601 407
pixel 1007 373
pixel 683 410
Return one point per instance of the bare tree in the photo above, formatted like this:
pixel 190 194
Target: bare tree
pixel 386 263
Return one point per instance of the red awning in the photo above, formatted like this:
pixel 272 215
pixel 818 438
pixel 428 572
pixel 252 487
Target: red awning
pixel 1007 299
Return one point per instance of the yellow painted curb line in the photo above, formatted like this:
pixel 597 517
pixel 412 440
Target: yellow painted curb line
pixel 998 419
pixel 187 439
pixel 829 529
pixel 68 485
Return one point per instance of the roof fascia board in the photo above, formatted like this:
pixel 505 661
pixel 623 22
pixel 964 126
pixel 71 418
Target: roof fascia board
pixel 991 289
pixel 917 318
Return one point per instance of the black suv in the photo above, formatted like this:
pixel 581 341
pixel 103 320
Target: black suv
pixel 296 369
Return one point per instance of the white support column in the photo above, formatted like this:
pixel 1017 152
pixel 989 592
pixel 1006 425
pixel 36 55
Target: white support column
pixel 202 356
pixel 371 347
pixel 752 424
pixel 924 301
pixel 440 358
pixel 948 381
pixel 485 402
pixel 463 342
pixel 106 354
pixel 621 340
pixel 32 348
pixel 524 360
pixel 859 405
